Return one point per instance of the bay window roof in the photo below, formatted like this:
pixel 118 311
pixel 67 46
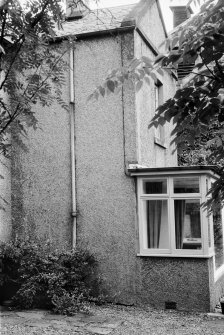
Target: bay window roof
pixel 208 169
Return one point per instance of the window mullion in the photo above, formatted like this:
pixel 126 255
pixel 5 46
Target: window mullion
pixel 204 218
pixel 172 225
pixel 140 217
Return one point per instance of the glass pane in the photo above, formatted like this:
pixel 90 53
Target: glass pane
pixel 155 186
pixel 156 223
pixel 218 238
pixel 186 185
pixel 187 224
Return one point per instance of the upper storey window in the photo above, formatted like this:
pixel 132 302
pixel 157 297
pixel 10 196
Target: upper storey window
pixel 158 100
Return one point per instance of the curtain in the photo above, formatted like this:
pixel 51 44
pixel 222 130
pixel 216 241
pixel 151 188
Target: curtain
pixel 195 224
pixel 154 215
pixel 179 208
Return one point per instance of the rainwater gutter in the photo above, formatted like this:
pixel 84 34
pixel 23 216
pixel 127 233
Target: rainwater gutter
pixel 72 139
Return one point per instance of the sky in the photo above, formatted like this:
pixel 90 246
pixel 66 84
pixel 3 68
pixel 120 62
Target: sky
pixel 167 14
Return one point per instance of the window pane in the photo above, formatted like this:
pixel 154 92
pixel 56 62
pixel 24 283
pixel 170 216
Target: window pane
pixel 156 224
pixel 187 224
pixel 218 238
pixel 155 186
pixel 186 185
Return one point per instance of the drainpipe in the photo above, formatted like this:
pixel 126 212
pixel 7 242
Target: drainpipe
pixel 72 134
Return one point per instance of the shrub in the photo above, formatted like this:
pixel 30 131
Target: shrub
pixel 63 281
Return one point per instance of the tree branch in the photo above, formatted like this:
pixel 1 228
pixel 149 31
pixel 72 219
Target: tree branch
pixel 5 108
pixel 219 68
pixel 2 33
pixel 46 78
pixel 22 38
pixel 212 73
pixel 3 26
pixel 12 118
pixel 11 64
pixel 39 15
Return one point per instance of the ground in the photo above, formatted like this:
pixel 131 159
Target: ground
pixel 111 319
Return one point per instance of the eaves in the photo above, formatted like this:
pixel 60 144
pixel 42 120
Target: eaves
pixel 89 34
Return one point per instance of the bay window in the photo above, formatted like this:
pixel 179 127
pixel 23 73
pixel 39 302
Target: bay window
pixel 172 220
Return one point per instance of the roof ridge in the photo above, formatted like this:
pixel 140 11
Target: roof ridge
pixel 127 5
pixel 103 19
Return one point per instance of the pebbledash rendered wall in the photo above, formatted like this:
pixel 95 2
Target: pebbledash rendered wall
pixel 109 134
pixel 216 286
pixel 41 179
pixel 184 281
pixel 106 140
pixel 5 199
pixel 189 282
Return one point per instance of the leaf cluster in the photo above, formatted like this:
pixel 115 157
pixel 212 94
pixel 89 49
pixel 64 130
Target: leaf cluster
pixel 197 108
pixel 63 281
pixel 32 69
pixel 134 75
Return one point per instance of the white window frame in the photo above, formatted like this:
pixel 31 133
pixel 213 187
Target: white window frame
pixel 159 132
pixel 170 196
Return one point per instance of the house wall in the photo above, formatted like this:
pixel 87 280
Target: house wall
pixel 216 288
pixel 41 178
pixel 181 280
pixel 5 199
pixel 110 134
pixel 149 21
pixel 107 134
pixel 105 140
pixel 185 281
pixel 149 153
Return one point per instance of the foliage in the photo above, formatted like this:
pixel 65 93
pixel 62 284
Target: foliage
pixel 61 280
pixel 32 69
pixel 197 108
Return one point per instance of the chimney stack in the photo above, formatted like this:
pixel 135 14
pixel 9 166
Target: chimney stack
pixel 75 9
pixel 182 11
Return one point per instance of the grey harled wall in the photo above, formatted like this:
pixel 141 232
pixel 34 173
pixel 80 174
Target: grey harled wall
pixel 216 287
pixel 5 199
pixel 181 280
pixel 41 178
pixel 149 153
pixel 106 200
pixel 109 134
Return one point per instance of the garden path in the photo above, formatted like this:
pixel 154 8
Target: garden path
pixel 113 320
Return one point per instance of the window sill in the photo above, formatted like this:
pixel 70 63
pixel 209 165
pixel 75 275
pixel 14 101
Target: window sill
pixel 174 256
pixel 160 143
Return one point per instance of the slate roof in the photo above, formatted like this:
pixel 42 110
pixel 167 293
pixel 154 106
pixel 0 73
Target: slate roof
pixel 100 20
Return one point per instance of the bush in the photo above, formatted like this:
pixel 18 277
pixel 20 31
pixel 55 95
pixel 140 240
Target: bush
pixel 63 281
